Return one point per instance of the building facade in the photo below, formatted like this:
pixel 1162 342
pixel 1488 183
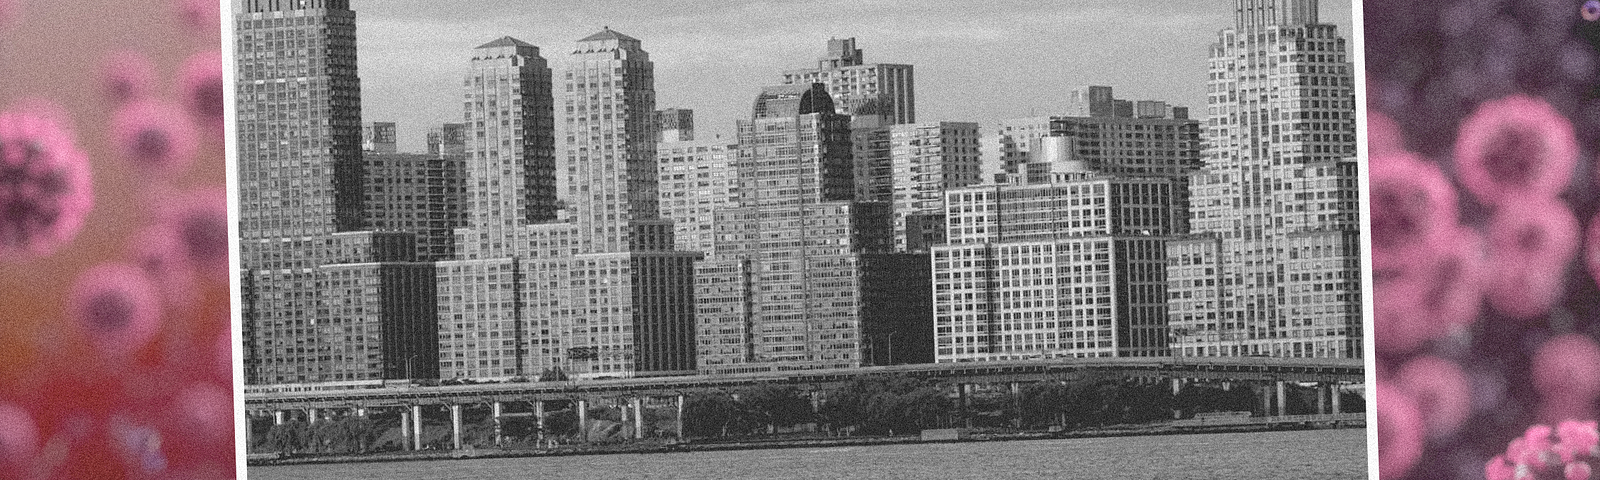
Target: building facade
pixel 378 137
pixel 305 229
pixel 589 284
pixel 798 261
pixel 1070 268
pixel 447 139
pixel 697 179
pixel 885 92
pixel 1273 266
pixel 674 125
pixel 924 160
pixel 417 193
pixel 1157 140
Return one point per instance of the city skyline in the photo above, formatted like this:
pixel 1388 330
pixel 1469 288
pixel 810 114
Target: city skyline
pixel 595 271
pixel 410 51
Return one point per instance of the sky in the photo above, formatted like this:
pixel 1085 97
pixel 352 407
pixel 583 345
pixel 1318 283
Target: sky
pixel 974 61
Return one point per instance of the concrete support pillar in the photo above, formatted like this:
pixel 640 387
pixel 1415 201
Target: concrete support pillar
pixel 1322 400
pixel 416 427
pixel 1177 384
pixel 1264 399
pixel 311 416
pixel 494 412
pixel 583 420
pixel 680 414
pixel 277 417
pixel 455 426
pixel 405 432
pixel 1334 392
pixel 1283 399
pixel 538 418
pixel 638 417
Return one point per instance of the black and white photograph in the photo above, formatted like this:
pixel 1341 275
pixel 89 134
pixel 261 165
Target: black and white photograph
pixel 813 239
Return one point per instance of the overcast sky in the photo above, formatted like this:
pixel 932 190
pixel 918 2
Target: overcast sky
pixel 975 61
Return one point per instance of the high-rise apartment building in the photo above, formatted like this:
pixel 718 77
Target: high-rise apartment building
pixel 1074 267
pixel 418 193
pixel 697 179
pixel 910 166
pixel 875 94
pixel 801 278
pixel 597 292
pixel 1273 266
pixel 324 299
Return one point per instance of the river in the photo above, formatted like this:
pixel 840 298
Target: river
pixel 1307 454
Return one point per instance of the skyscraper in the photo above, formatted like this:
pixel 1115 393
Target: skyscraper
pixel 910 166
pixel 1273 266
pixel 875 94
pixel 599 291
pixel 633 291
pixel 802 277
pixel 324 300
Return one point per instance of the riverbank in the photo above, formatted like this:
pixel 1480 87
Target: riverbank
pixel 706 445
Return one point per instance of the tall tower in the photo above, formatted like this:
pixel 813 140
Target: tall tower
pixel 1273 265
pixel 611 148
pixel 633 292
pixel 510 145
pixel 302 185
pixel 802 278
pixel 597 292
pixel 306 174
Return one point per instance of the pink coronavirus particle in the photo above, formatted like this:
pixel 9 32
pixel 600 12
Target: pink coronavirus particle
pixel 204 15
pixel 203 87
pixel 1531 243
pixel 19 438
pixel 45 191
pixel 159 253
pixel 129 76
pixel 1515 147
pixel 155 136
pixel 198 221
pixel 1440 391
pixel 1412 205
pixel 1590 11
pixel 115 307
pixel 1400 432
pixel 1566 374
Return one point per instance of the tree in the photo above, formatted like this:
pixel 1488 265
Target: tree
pixel 773 406
pixel 288 437
pixel 885 404
pixel 553 374
pixel 708 414
pixel 562 423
